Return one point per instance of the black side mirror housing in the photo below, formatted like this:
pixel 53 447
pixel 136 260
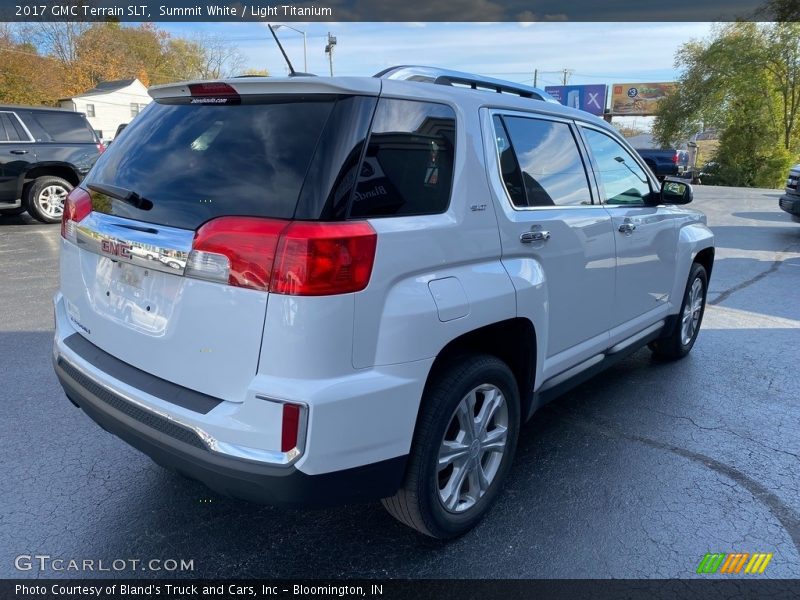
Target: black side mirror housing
pixel 676 192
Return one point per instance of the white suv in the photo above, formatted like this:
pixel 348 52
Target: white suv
pixel 364 285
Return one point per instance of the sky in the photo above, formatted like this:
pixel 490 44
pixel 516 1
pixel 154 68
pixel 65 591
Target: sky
pixel 595 52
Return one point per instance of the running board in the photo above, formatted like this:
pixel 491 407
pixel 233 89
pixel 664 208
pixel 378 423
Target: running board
pixel 580 373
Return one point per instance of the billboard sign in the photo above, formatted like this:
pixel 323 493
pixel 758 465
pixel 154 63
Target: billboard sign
pixel 640 99
pixel 591 98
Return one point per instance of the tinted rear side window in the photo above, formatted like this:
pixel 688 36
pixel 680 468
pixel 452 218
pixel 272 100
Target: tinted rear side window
pixel 64 127
pixel 10 129
pixel 408 166
pixel 195 162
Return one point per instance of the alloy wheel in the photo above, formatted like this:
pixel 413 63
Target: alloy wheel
pixel 473 448
pixel 51 201
pixel 690 320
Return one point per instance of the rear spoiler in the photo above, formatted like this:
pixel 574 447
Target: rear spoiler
pixel 364 86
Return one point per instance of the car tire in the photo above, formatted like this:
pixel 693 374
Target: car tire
pixel 459 458
pixel 681 339
pixel 45 198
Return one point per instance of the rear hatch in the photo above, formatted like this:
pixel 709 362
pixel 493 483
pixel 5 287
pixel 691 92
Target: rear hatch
pixel 204 168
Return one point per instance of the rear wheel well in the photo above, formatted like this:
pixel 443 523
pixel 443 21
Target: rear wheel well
pixel 513 341
pixel 706 258
pixel 62 171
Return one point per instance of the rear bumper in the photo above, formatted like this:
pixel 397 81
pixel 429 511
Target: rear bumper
pixel 173 447
pixel 791 204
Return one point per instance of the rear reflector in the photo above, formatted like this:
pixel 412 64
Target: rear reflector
pixel 294 258
pixel 76 207
pixel 290 427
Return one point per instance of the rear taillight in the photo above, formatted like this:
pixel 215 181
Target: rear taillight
pixel 676 158
pixel 236 250
pixel 290 427
pixel 214 92
pixel 319 259
pixel 77 205
pixel 295 258
pixel 101 147
pixel 212 88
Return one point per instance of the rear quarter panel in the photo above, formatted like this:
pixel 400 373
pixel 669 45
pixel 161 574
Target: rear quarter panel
pixel 396 316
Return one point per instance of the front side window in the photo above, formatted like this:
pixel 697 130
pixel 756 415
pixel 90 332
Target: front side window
pixel 620 176
pixel 548 163
pixel 408 165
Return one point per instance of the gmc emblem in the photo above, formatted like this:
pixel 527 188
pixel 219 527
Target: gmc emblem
pixel 116 248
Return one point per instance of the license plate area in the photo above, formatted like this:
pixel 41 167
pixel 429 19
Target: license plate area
pixel 131 295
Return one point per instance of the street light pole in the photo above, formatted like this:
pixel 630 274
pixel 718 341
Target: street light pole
pixel 329 49
pixel 305 47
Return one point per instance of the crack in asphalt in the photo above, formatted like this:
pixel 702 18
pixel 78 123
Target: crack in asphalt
pixel 788 519
pixel 776 263
pixel 725 429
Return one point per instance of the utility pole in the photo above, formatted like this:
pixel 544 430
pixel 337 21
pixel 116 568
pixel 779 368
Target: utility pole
pixel 566 73
pixel 535 76
pixel 329 49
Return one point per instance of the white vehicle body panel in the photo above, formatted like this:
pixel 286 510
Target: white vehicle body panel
pixel 359 361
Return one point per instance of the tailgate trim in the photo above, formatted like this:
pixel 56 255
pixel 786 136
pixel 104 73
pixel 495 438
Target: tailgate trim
pixel 141 380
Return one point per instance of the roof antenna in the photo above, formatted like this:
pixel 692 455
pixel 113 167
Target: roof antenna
pixel 292 72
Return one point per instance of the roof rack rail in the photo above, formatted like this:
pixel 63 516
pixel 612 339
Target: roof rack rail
pixel 459 79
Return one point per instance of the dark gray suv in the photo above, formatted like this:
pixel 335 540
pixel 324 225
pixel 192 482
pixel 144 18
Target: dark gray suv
pixel 44 153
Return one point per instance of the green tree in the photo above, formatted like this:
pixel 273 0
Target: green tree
pixel 744 82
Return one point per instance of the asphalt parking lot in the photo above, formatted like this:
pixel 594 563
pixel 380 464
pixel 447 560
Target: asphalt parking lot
pixel 637 473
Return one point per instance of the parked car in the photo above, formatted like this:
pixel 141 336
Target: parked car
pixel 664 163
pixel 413 270
pixel 44 153
pixel 790 201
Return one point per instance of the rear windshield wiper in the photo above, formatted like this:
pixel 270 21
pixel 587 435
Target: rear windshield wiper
pixel 123 194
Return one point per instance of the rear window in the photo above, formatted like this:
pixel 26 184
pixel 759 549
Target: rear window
pixel 195 162
pixel 408 166
pixel 66 127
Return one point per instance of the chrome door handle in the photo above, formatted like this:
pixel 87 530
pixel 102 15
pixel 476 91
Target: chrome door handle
pixel 534 236
pixel 627 228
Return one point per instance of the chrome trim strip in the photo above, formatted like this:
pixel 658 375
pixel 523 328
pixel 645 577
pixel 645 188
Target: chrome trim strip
pixel 156 247
pixel 257 455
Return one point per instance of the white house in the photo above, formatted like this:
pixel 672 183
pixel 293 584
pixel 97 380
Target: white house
pixel 110 104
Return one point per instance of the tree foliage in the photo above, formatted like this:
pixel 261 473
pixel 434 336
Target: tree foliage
pixel 745 83
pixel 43 62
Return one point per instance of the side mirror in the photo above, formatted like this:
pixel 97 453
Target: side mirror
pixel 676 192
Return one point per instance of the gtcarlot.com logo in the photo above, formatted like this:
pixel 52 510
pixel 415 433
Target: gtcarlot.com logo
pixel 734 563
pixel 47 563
